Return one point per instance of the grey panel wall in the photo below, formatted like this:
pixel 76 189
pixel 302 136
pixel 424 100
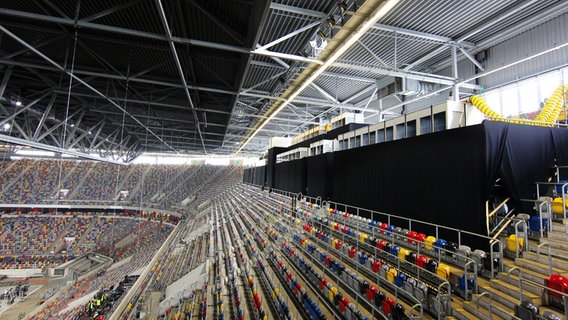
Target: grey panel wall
pixel 545 36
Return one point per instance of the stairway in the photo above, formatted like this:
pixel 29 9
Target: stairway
pixel 504 290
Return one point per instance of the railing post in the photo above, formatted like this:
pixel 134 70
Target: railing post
pixel 549 255
pixel 520 281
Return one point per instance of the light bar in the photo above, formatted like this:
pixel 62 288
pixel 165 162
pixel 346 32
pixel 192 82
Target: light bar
pixel 352 39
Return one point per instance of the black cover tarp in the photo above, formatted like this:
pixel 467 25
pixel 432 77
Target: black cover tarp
pixel 291 176
pixel 443 178
pixel 255 175
pixel 436 178
pixel 320 175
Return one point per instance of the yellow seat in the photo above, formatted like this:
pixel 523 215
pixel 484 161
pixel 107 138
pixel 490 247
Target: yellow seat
pixel 363 237
pixel 557 206
pixel 391 275
pixel 443 271
pixel 512 241
pixel 429 242
pixel 331 293
pixel 403 253
pixel 333 243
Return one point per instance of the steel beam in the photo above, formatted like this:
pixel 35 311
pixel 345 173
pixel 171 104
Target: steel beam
pixel 5 79
pixel 324 93
pixel 421 35
pixel 46 147
pixel 61 68
pixel 290 35
pixel 301 11
pixel 149 35
pixel 23 108
pixel 369 51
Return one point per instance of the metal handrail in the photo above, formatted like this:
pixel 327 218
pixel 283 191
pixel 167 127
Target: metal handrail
pixel 502 225
pixel 520 280
pixel 545 290
pixel 541 205
pixel 563 189
pixel 492 213
pixel 525 235
pixel 449 293
pixel 549 255
pixel 474 273
pixel 418 305
pixel 486 293
pixel 375 213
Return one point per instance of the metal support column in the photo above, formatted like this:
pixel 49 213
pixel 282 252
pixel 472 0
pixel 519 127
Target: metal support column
pixel 456 88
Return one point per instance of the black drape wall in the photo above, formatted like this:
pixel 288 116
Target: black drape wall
pixel 443 178
pixel 434 178
pixel 255 175
pixel 320 175
pixel 291 176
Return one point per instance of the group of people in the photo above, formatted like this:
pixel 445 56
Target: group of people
pixel 102 302
pixel 10 295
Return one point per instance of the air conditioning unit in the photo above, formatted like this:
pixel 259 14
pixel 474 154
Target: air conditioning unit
pixel 402 86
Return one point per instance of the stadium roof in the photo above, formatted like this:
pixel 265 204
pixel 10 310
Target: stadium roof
pixel 119 78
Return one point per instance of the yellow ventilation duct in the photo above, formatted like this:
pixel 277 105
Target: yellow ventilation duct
pixel 481 104
pixel 547 116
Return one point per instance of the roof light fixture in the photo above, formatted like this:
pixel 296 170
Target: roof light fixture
pixel 382 8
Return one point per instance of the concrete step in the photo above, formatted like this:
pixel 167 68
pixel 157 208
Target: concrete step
pixel 560 264
pixel 508 301
pixel 513 280
pixel 462 314
pixel 556 252
pixel 497 308
pixel 479 312
pixel 558 244
pixel 513 291
pixel 537 266
pixel 558 235
pixel 528 274
pixel 559 223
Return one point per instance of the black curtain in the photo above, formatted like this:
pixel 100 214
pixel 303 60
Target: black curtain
pixel 260 176
pixel 523 155
pixel 437 178
pixel 291 176
pixel 443 178
pixel 248 175
pixel 560 138
pixel 320 175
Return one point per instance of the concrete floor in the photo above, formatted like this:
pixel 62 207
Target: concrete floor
pixel 19 309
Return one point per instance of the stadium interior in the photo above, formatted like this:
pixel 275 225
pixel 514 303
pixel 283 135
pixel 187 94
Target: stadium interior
pixel 284 159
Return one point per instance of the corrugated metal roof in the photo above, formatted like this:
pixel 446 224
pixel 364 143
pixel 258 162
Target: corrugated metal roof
pixel 125 45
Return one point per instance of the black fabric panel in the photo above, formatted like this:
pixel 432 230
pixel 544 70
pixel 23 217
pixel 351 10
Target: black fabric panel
pixel 291 176
pixel 527 157
pixel 270 163
pixel 560 138
pixel 437 178
pixel 248 175
pixel 260 175
pixel 255 175
pixel 320 176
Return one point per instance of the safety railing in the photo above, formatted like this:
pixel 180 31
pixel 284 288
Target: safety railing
pixel 549 255
pixel 490 307
pixel 509 272
pixel 496 246
pixel 544 209
pixel 546 292
pixel 518 224
pixel 564 190
pixel 492 216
